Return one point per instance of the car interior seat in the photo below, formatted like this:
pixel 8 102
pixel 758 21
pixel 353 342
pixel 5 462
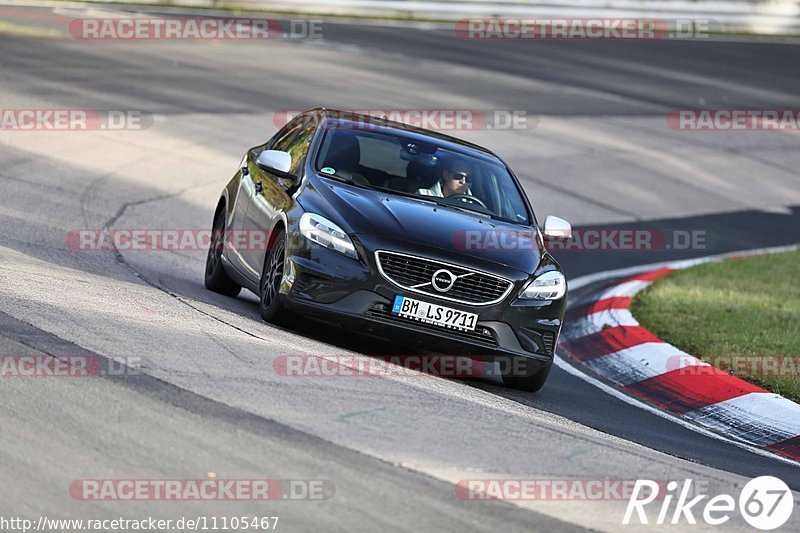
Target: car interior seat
pixel 421 176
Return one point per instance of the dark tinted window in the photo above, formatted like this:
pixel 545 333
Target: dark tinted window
pixel 298 147
pixel 286 137
pixel 422 167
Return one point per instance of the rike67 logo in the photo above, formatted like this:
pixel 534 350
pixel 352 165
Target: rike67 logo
pixel 765 503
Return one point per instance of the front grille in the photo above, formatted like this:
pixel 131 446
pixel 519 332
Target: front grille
pixel 481 334
pixel 415 274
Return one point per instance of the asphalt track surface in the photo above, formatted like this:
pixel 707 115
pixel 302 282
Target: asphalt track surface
pixel 597 152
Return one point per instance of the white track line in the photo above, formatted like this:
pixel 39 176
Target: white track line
pixel 567 367
pixel 563 363
pixel 640 362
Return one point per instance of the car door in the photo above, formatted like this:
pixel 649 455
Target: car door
pixel 237 239
pixel 237 212
pixel 270 193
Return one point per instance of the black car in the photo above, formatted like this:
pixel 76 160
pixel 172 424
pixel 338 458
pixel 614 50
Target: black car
pixel 395 231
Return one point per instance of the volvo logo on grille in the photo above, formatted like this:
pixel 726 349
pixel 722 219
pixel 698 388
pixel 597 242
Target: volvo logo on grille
pixel 443 280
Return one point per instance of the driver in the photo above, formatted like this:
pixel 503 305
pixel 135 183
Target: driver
pixel 454 180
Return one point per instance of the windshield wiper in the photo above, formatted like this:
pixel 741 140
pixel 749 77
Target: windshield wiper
pixel 345 179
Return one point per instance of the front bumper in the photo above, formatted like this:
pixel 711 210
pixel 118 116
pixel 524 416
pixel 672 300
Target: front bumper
pixel 324 284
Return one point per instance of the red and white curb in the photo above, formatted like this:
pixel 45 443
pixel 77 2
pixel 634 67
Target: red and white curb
pixel 602 336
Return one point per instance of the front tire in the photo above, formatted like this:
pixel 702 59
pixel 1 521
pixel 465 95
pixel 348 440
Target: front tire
pixel 270 306
pixel 526 375
pixel 216 279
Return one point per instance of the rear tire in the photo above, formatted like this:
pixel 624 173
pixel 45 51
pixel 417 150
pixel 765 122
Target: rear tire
pixel 216 279
pixel 525 375
pixel 270 306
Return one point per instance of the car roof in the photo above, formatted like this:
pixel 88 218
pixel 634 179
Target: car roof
pixel 342 118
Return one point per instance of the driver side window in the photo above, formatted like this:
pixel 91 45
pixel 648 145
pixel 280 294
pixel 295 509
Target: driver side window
pixel 294 138
pixel 281 140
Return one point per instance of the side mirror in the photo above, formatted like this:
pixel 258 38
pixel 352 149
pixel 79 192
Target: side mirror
pixel 556 228
pixel 275 160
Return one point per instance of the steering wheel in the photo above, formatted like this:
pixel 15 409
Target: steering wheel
pixel 468 199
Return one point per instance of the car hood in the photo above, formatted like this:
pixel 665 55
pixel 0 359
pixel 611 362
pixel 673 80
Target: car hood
pixel 369 212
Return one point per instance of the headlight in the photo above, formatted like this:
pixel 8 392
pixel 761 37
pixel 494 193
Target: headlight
pixel 549 286
pixel 325 233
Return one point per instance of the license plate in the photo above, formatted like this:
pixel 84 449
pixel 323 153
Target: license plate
pixel 434 314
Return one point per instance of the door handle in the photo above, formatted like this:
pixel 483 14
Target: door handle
pixel 259 187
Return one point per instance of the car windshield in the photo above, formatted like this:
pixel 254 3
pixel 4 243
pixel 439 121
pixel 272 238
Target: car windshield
pixel 420 167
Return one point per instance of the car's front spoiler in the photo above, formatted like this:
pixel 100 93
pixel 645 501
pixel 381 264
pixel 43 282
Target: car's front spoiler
pixel 358 312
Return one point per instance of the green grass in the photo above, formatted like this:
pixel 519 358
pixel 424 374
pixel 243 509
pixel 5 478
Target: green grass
pixel 737 307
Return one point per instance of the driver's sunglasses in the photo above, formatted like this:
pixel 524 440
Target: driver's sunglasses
pixel 459 176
